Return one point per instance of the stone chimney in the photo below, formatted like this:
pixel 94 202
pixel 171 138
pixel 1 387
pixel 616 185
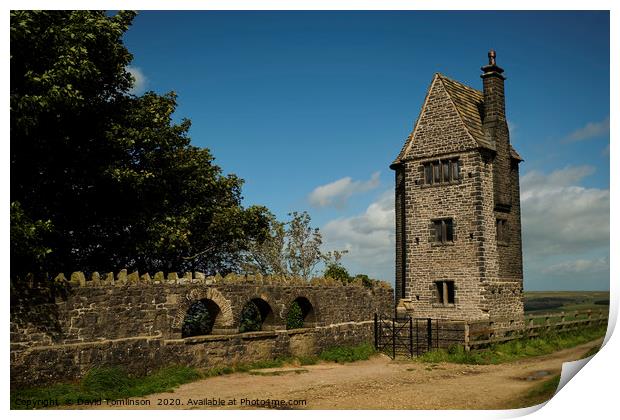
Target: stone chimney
pixel 496 129
pixel 493 89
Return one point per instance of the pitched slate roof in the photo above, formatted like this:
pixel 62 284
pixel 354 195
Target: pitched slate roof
pixel 469 103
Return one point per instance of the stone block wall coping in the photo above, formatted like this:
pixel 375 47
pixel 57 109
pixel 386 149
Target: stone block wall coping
pixel 124 278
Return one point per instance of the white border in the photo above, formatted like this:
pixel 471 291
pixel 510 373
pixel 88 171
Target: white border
pixel 591 395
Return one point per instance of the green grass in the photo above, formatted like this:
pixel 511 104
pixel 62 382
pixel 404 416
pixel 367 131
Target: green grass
pixel 591 352
pixel 517 349
pixel 545 390
pixel 348 354
pixel 115 383
pixel 107 384
pixel 539 393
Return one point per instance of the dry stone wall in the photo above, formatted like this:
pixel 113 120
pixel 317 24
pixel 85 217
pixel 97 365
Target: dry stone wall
pixel 61 333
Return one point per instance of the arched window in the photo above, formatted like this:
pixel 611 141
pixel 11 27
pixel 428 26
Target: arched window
pixel 200 318
pixel 300 314
pixel 256 315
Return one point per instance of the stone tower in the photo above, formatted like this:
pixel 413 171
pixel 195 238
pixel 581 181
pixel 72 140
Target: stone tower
pixel 458 218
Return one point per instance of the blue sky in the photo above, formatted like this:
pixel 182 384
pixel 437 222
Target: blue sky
pixel 310 108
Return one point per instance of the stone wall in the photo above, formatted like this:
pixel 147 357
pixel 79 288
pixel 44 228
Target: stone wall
pixel 61 335
pixel 40 365
pixel 428 261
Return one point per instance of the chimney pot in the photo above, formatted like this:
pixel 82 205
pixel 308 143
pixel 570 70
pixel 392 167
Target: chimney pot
pixel 492 57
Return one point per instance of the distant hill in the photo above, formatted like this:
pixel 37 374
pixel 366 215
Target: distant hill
pixel 565 301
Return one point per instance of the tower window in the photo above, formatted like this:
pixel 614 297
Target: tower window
pixel 441 171
pixel 445 292
pixel 443 230
pixel 428 173
pixel 501 230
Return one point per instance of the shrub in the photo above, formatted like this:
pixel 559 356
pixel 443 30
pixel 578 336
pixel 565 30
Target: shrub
pixel 109 380
pixel 337 272
pixel 251 319
pixel 198 320
pixel 295 317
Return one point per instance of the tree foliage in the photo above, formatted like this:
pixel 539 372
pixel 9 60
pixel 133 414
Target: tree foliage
pixel 337 272
pixel 251 318
pixel 289 249
pixel 295 316
pixel 102 179
pixel 303 248
pixel 334 268
pixel 198 320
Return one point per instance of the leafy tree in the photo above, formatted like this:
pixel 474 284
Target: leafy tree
pixel 27 247
pixel 334 268
pixel 265 255
pixel 337 272
pixel 295 317
pixel 303 249
pixel 289 249
pixel 102 179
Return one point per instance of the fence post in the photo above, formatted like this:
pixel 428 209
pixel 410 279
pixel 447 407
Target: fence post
pixel 429 334
pixel 393 338
pixel 376 331
pixel 411 336
pixel 417 338
pixel 466 333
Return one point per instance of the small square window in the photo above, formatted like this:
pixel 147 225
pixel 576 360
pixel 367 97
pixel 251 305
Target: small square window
pixel 444 230
pixel 445 292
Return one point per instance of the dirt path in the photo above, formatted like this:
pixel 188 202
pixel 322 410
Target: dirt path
pixel 379 383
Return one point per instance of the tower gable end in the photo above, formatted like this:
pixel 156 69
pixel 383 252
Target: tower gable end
pixel 440 128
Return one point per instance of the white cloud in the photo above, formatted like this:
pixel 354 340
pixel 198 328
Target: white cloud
pixel 591 130
pixel 578 266
pixel 140 80
pixel 338 192
pixel 512 127
pixel 369 238
pixel 560 217
pixel 565 231
pixel 536 183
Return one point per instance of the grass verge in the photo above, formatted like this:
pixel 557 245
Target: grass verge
pixel 506 352
pixel 105 384
pixel 539 393
pixel 348 354
pixel 545 390
pixel 114 383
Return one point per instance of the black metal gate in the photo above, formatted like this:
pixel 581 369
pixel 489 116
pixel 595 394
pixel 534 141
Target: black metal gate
pixel 405 336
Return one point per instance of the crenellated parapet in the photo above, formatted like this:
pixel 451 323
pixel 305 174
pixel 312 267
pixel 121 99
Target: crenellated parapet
pixel 124 278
